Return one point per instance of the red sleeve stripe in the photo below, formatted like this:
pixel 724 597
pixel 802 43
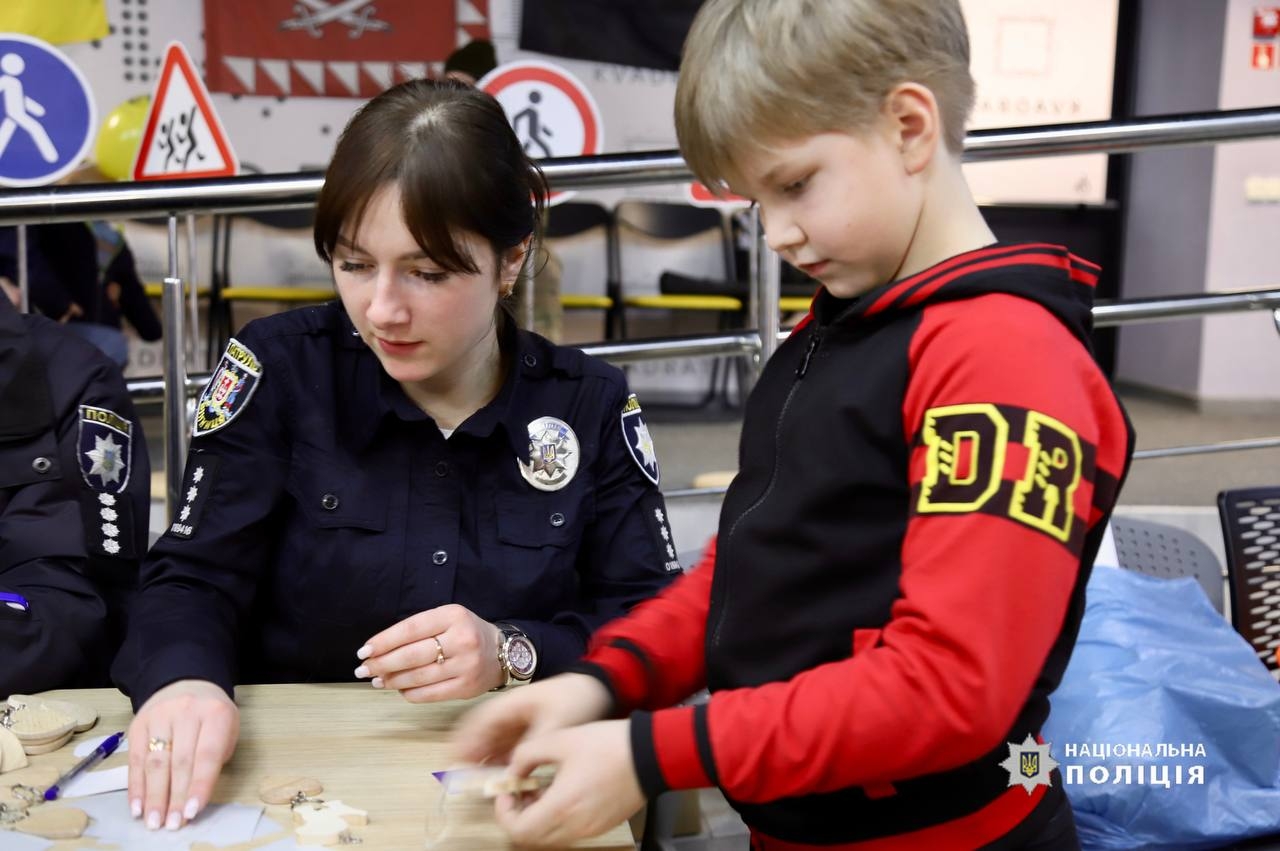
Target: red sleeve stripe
pixel 625 670
pixel 960 264
pixel 1058 261
pixel 685 760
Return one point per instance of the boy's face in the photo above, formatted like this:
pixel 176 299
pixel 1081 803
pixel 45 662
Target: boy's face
pixel 839 206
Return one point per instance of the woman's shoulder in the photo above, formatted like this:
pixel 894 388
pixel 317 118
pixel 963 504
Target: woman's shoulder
pixel 569 362
pixel 322 323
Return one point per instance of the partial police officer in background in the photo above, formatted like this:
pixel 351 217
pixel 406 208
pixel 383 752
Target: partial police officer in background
pixel 74 500
pixel 402 485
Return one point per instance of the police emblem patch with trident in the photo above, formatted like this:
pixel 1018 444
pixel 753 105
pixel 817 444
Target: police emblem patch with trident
pixel 1029 764
pixel 553 454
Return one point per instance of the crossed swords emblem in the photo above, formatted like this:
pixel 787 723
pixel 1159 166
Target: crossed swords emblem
pixel 356 15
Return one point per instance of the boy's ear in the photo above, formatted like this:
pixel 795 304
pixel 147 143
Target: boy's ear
pixel 913 114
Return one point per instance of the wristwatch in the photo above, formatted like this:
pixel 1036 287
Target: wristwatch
pixel 516 655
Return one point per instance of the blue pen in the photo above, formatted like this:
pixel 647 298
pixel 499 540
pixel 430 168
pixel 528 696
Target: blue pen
pixel 101 752
pixel 14 601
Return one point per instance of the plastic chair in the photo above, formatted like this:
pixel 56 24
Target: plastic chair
pixel 1251 531
pixel 653 240
pixel 581 233
pixel 224 293
pixel 1157 549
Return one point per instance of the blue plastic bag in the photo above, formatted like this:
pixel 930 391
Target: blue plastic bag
pixel 1155 664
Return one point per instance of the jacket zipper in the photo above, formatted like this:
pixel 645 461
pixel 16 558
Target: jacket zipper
pixel 722 578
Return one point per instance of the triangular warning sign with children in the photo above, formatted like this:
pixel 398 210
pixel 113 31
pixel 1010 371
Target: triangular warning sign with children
pixel 183 137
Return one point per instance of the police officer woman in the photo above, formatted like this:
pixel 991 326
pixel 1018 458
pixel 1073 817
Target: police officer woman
pixel 401 483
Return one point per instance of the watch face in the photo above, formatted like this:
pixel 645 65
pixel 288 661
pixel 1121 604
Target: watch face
pixel 521 657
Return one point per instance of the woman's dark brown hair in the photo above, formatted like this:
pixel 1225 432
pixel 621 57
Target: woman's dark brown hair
pixel 457 163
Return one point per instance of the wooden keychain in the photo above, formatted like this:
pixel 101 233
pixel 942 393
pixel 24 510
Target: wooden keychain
pixel 318 822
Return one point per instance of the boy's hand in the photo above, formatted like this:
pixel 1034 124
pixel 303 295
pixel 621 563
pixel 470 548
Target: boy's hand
pixel 490 731
pixel 595 786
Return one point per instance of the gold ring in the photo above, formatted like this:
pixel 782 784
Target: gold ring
pixel 155 743
pixel 439 650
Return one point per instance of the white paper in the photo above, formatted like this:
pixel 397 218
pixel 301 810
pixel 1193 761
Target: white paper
pixel 13 841
pixel 83 748
pixel 97 782
pixel 219 824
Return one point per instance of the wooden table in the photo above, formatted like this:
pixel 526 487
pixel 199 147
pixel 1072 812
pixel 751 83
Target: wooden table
pixel 371 749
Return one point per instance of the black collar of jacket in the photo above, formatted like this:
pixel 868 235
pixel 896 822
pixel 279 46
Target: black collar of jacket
pixel 26 406
pixel 1046 274
pixel 378 396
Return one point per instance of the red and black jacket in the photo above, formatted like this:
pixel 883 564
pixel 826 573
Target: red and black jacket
pixel 898 579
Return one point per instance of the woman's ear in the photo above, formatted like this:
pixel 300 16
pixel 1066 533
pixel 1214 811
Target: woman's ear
pixel 912 111
pixel 513 261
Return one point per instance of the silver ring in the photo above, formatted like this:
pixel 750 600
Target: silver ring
pixel 439 650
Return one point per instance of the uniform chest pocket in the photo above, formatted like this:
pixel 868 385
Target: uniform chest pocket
pixel 334 563
pixel 29 461
pixel 540 520
pixel 334 497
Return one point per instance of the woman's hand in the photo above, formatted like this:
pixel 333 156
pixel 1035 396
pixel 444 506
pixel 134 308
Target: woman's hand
pixel 446 653
pixel 492 730
pixel 595 786
pixel 193 726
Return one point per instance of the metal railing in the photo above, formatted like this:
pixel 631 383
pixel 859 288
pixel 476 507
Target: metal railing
pixel 263 192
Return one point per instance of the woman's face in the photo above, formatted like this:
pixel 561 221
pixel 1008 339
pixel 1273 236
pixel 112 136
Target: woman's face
pixel 429 327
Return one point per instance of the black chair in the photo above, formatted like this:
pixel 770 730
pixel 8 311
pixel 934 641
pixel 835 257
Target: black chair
pixel 569 223
pixel 1251 531
pixel 225 293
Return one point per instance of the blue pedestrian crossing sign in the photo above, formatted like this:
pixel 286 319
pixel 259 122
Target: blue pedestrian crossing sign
pixel 47 113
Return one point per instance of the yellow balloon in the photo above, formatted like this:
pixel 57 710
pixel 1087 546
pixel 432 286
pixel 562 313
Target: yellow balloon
pixel 120 136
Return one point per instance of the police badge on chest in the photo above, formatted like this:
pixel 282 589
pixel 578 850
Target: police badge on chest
pixel 554 453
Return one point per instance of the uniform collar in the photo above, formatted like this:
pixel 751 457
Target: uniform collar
pixel 379 397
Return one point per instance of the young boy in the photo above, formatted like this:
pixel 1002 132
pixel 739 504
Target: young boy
pixel 927 466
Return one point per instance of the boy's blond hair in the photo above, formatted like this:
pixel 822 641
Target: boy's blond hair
pixel 761 71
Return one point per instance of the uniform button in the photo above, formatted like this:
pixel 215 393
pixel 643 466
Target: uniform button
pixel 530 360
pixel 439 557
pixel 557 519
pixel 42 465
pixel 329 502
pixel 442 468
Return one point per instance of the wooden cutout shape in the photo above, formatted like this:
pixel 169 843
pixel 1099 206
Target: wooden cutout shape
pixel 54 822
pixel 83 716
pixel 283 788
pixel 50 746
pixel 324 822
pixel 38 725
pixel 12 756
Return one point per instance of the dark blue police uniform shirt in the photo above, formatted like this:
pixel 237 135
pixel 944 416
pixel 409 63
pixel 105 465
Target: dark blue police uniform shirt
pixel 75 489
pixel 321 506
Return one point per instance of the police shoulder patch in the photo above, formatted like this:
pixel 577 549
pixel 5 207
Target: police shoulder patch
pixel 229 390
pixel 105 449
pixel 639 443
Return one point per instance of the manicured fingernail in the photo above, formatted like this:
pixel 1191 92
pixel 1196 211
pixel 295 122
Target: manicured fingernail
pixel 364 652
pixel 135 807
pixel 174 821
pixel 191 809
pixel 362 671
pixel 153 820
pixel 376 682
